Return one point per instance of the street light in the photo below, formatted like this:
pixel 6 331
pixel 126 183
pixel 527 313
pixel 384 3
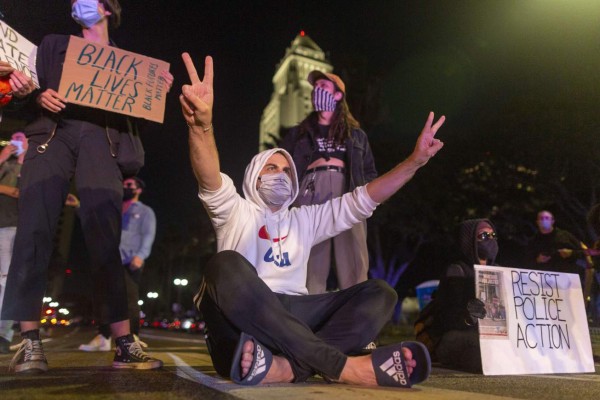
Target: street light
pixel 179 282
pixel 152 295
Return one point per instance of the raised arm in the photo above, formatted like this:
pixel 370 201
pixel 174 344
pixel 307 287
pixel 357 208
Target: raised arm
pixel 383 187
pixel 196 105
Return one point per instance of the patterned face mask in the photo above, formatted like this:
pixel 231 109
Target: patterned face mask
pixel 275 189
pixel 323 100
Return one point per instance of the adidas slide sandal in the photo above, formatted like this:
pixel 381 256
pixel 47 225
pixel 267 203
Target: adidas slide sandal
pixel 261 362
pixel 390 367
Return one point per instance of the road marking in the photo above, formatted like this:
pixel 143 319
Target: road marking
pixel 199 341
pixel 189 373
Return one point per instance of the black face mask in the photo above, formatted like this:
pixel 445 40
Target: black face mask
pixel 487 249
pixel 128 193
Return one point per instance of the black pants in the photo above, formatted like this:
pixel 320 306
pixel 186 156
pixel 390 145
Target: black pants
pixel 79 149
pixel 460 349
pixel 132 281
pixel 314 332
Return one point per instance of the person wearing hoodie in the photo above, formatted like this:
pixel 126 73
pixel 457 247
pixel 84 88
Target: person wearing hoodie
pixel 459 312
pixel 261 324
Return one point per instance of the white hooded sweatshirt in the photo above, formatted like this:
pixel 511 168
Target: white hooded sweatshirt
pixel 278 243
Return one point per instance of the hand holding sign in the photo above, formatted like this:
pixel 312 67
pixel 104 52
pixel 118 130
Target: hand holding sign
pixel 21 84
pixel 51 101
pixel 476 310
pixel 5 68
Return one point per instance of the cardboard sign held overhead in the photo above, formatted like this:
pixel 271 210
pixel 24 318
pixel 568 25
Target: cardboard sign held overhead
pixel 19 52
pixel 115 80
pixel 535 324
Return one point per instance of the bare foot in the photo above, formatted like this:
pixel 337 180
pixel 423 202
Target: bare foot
pixel 247 357
pixel 280 371
pixel 359 370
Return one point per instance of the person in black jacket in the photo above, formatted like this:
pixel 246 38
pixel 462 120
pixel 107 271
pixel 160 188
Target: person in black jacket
pixel 69 141
pixel 554 249
pixel 332 157
pixel 593 220
pixel 459 310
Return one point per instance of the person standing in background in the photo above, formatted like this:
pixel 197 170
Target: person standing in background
pixel 137 236
pixel 11 160
pixel 333 157
pixel 554 249
pixel 593 220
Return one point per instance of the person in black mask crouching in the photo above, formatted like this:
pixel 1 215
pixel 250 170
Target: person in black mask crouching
pixel 457 311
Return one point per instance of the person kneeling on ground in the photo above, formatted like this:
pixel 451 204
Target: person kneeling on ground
pixel 261 324
pixel 458 315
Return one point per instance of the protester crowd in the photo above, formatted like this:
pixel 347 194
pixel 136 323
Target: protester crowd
pixel 269 315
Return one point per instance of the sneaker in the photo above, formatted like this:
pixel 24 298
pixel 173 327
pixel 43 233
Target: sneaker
pixel 98 343
pixel 129 354
pixel 30 358
pixel 137 339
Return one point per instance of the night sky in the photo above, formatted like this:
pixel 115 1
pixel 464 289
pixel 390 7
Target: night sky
pixel 446 56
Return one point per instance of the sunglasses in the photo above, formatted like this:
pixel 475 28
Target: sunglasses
pixel 487 236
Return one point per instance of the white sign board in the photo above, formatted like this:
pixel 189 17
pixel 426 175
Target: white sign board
pixel 535 324
pixel 19 52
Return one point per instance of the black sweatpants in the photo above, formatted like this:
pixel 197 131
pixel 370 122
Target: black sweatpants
pixel 314 332
pixel 79 149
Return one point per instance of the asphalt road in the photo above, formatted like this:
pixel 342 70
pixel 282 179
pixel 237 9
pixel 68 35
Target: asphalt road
pixel 188 374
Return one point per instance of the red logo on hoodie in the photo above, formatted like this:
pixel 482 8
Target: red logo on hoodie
pixel 263 234
pixel 280 261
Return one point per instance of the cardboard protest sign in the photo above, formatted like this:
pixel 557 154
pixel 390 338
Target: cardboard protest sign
pixel 535 324
pixel 112 79
pixel 19 52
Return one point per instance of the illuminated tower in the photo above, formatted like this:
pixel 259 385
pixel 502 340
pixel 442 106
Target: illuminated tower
pixel 290 102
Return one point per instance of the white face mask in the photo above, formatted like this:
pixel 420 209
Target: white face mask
pixel 19 145
pixel 85 13
pixel 545 224
pixel 275 189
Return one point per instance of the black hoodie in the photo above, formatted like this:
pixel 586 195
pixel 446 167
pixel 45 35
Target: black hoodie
pixel 457 286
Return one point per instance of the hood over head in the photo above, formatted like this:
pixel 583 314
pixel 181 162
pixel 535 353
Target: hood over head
pixel 253 171
pixel 467 239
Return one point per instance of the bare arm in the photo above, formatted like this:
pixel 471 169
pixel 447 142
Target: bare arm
pixel 10 191
pixel 196 106
pixel 383 187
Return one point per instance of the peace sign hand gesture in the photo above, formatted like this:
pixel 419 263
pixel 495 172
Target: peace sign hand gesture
pixel 427 145
pixel 197 98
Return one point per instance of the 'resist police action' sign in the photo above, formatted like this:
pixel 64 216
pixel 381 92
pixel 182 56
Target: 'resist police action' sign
pixel 535 323
pixel 112 79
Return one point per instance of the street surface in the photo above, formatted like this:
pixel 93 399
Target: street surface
pixel 188 374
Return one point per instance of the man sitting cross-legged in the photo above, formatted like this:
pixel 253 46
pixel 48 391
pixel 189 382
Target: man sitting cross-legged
pixel 262 326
